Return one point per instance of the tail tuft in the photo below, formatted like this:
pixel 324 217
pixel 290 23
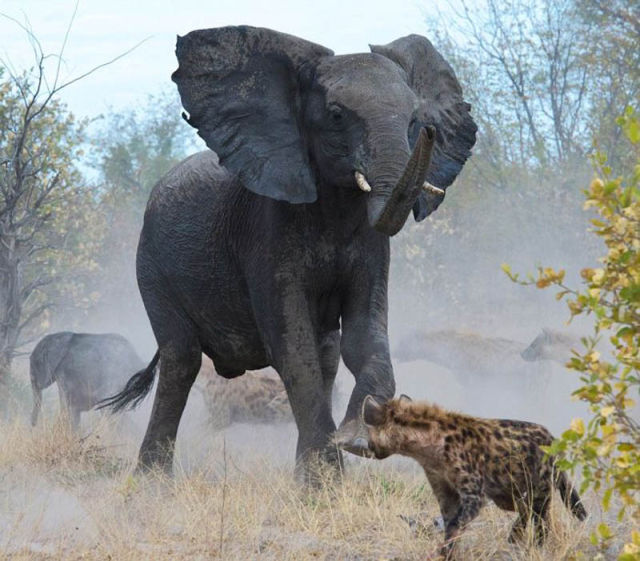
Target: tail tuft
pixel 135 390
pixel 570 496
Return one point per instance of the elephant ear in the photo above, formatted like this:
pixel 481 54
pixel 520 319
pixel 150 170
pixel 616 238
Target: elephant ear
pixel 441 104
pixel 240 88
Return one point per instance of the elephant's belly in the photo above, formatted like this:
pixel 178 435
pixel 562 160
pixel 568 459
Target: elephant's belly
pixel 233 349
pixel 228 333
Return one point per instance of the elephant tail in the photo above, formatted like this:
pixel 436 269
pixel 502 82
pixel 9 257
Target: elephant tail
pixel 135 390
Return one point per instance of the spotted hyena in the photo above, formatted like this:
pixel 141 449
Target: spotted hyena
pixel 469 459
pixel 254 397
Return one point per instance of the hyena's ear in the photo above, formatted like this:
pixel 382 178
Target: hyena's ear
pixel 372 412
pixel 404 398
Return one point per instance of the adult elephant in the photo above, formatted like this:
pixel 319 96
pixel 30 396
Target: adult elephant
pixel 87 368
pixel 274 250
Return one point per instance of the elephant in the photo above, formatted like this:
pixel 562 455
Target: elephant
pixel 87 368
pixel 272 247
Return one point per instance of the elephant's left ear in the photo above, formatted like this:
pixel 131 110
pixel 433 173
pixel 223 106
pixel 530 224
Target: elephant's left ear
pixel 441 104
pixel 241 88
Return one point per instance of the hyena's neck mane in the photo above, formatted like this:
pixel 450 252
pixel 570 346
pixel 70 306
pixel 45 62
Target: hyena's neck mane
pixel 423 414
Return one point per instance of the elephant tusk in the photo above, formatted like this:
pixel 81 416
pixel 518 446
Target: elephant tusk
pixel 362 182
pixel 432 189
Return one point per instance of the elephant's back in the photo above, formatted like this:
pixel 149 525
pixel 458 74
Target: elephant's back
pixel 198 177
pixel 189 210
pixel 53 338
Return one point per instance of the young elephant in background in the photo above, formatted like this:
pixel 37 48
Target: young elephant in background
pixel 87 368
pixel 469 459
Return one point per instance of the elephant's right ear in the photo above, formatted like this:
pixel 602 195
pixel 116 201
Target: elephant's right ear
pixel 240 88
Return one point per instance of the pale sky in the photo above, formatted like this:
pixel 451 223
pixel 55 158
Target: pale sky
pixel 105 29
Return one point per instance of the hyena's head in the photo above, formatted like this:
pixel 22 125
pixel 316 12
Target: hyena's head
pixel 386 435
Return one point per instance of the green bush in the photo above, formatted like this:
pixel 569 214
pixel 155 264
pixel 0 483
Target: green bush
pixel 606 448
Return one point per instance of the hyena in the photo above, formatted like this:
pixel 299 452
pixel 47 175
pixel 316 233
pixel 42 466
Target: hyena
pixel 469 459
pixel 254 397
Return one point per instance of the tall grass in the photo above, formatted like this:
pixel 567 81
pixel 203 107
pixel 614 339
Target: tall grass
pixel 63 496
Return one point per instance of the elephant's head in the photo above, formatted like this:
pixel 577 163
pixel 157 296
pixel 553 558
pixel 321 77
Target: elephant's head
pixel 287 115
pixel 43 363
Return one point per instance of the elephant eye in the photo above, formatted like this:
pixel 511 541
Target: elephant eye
pixel 336 114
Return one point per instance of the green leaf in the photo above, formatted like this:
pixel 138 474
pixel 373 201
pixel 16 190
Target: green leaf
pixel 631 293
pixel 604 531
pixel 633 131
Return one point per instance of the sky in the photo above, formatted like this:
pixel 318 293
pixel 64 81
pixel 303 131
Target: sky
pixel 102 30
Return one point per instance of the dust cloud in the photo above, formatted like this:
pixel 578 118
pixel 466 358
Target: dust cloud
pixel 454 285
pixel 445 278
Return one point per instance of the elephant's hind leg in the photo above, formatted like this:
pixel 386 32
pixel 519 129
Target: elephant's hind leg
pixel 179 365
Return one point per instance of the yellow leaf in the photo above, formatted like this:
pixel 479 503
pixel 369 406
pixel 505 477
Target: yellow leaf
pixel 577 425
pixel 606 411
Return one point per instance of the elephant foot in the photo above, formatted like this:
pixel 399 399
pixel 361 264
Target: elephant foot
pixel 158 460
pixel 318 467
pixel 353 437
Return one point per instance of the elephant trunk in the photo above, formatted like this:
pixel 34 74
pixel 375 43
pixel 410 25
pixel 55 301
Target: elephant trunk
pixel 37 403
pixel 391 199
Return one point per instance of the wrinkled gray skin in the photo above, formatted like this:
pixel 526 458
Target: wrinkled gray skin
pixel 271 255
pixel 86 367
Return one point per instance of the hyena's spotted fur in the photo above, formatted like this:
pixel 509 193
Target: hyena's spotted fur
pixel 254 397
pixel 469 459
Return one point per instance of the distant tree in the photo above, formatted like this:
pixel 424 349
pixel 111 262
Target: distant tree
pixel 613 52
pixel 43 204
pixel 131 151
pixel 545 77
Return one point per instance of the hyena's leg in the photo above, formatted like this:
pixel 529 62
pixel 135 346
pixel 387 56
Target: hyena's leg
pixel 471 501
pixel 448 499
pixel 540 515
pixel 536 510
pixel 520 524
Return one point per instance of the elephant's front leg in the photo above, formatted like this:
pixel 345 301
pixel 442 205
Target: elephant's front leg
pixel 296 353
pixel 365 351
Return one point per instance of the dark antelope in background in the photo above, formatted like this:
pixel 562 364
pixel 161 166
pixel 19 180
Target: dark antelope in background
pixel 86 367
pixel 274 250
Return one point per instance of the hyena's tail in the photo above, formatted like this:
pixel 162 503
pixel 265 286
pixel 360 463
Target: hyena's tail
pixel 570 496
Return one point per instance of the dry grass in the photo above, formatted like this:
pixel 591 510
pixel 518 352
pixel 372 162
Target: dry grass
pixel 65 497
